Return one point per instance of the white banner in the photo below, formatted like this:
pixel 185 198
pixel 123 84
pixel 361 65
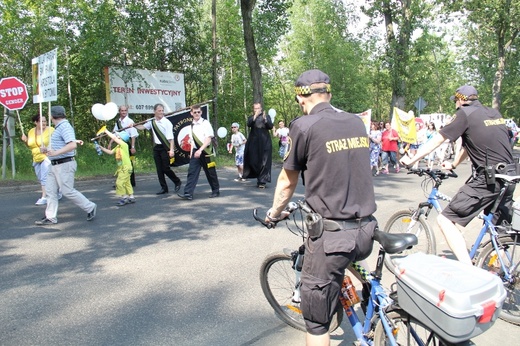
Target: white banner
pixel 45 77
pixel 142 89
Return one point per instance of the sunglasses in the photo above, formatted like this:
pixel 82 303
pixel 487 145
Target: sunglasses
pixel 196 112
pixel 233 127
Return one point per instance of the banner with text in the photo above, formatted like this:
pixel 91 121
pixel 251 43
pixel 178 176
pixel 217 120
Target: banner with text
pixel 142 89
pixel 181 134
pixel 405 125
pixel 45 77
pixel 366 116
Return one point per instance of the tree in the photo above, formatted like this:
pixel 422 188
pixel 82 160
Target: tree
pixel 493 24
pixel 401 19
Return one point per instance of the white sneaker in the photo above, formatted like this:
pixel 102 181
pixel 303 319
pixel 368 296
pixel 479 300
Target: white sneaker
pixel 41 201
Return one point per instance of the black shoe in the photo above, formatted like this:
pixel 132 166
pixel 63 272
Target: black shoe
pixel 214 194
pixel 162 192
pixel 92 214
pixel 185 196
pixel 178 186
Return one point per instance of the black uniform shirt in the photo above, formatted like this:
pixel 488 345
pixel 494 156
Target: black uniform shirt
pixel 483 130
pixel 332 150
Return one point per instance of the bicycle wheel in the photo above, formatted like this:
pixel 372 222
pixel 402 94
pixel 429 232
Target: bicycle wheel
pixel 402 222
pixel 277 278
pixel 509 251
pixel 407 331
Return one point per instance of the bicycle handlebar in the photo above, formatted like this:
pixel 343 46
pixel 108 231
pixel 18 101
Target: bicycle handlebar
pixel 290 208
pixel 435 174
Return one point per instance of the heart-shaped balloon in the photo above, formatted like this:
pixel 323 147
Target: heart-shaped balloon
pixel 110 111
pixel 97 111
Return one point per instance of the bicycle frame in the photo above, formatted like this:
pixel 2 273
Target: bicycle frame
pixel 489 227
pixel 378 298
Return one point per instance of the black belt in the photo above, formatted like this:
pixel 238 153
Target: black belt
pixel 60 161
pixel 336 225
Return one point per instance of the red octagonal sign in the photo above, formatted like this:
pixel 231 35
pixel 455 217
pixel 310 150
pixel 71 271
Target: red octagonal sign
pixel 13 93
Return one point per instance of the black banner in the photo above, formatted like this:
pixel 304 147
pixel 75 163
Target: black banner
pixel 181 134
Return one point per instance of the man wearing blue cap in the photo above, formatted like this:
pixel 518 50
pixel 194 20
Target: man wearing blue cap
pixel 331 150
pixel 63 168
pixel 485 141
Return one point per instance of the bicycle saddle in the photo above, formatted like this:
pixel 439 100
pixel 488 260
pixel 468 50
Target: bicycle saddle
pixel 395 242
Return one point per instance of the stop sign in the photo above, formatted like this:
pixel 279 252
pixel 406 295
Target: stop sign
pixel 13 93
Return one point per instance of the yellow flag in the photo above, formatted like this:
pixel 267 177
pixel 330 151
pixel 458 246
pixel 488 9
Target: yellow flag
pixel 405 125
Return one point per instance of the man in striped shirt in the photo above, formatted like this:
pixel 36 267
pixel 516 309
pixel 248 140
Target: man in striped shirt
pixel 63 168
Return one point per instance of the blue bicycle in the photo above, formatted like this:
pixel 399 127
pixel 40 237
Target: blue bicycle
pixel 385 322
pixel 414 220
pixel 501 253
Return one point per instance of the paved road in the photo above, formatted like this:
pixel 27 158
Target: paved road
pixel 162 271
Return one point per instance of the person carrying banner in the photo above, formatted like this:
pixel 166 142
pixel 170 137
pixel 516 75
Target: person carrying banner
pixel 201 156
pixel 164 150
pixel 36 138
pixel 124 122
pixel 61 152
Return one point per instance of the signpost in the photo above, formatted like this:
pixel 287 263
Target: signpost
pixel 13 93
pixel 420 104
pixel 13 96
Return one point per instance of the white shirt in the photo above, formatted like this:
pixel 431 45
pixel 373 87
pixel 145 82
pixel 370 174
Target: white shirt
pixel 126 122
pixel 201 129
pixel 164 125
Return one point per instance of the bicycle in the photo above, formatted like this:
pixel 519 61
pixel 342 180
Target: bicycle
pixel 413 221
pixel 385 322
pixel 501 253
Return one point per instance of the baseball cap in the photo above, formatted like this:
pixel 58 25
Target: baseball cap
pixel 58 112
pixel 304 82
pixel 464 92
pixel 235 125
pixel 124 136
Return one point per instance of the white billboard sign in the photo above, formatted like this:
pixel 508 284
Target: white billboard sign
pixel 45 77
pixel 142 89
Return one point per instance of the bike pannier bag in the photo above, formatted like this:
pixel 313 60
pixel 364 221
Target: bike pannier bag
pixel 455 300
pixel 516 216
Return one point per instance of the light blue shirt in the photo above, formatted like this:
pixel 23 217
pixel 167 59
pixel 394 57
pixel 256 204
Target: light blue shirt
pixel 62 135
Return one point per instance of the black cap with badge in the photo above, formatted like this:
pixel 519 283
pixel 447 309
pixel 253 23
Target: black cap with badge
pixel 464 92
pixel 308 78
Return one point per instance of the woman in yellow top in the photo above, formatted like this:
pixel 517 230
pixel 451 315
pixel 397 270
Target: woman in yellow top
pixel 39 137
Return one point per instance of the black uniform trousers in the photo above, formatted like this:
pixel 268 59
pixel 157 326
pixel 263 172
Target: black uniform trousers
pixel 162 165
pixel 194 172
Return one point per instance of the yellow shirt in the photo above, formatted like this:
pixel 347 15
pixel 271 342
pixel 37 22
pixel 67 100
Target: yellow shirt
pixel 35 142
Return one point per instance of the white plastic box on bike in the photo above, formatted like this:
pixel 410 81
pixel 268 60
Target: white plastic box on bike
pixel 516 216
pixel 455 300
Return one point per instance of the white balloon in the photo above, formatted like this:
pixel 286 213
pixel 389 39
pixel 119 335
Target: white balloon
pixel 272 114
pixel 97 111
pixel 222 132
pixel 110 111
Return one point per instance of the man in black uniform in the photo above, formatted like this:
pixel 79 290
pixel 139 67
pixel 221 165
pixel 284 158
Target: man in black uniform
pixel 331 149
pixel 485 141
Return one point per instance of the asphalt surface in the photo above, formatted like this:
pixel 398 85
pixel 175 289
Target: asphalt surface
pixel 163 271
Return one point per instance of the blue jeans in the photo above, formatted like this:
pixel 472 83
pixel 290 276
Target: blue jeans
pixel 392 155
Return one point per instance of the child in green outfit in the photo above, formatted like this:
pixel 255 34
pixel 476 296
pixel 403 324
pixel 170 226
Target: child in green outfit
pixel 124 166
